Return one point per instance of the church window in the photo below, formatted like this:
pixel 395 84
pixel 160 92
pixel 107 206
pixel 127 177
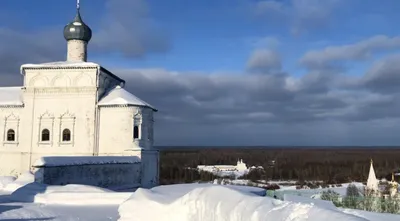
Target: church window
pixel 45 135
pixel 66 135
pixel 135 132
pixel 10 135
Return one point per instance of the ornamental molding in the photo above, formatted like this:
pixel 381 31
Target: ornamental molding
pixel 61 90
pixel 46 115
pixel 83 75
pixel 61 76
pixel 9 106
pixel 11 117
pixel 38 77
pixel 60 68
pixel 67 115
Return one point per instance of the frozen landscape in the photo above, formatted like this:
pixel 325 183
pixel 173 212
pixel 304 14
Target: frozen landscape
pixel 22 199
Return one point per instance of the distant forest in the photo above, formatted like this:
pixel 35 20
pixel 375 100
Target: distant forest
pixel 330 165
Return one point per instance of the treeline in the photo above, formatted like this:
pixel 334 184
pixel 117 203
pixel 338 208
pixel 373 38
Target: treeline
pixel 331 165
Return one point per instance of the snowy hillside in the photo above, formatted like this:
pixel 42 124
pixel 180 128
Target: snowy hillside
pixel 21 199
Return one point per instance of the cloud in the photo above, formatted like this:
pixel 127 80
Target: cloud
pixel 20 48
pixel 271 109
pixel 302 15
pixel 264 60
pixel 384 75
pixel 331 56
pixel 128 29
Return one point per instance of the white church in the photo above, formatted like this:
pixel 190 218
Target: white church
pixel 73 108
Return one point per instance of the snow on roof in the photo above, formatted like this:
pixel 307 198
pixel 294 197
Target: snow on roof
pixel 61 64
pixel 120 96
pixel 84 160
pixel 10 96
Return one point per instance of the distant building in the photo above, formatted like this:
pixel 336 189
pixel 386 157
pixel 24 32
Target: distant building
pixel 385 189
pixel 372 182
pixel 239 167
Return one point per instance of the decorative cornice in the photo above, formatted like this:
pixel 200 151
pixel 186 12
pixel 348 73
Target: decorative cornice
pixel 12 105
pixel 59 67
pixel 59 90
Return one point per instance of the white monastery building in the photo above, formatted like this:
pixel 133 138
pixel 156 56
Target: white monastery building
pixel 239 167
pixel 73 108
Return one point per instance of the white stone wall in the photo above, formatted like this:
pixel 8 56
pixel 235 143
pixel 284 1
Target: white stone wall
pixel 77 50
pixel 150 161
pixel 101 175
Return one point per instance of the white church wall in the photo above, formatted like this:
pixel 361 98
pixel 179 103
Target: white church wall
pixel 75 112
pixel 54 99
pixel 116 130
pixel 14 155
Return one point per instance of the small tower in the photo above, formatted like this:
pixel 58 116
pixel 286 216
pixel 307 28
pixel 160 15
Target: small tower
pixel 78 35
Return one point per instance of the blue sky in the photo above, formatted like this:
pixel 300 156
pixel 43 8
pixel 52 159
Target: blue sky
pixel 299 72
pixel 209 35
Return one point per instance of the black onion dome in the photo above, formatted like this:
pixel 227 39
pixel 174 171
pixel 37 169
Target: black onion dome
pixel 77 30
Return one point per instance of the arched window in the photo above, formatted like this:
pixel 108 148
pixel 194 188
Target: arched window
pixel 45 135
pixel 135 132
pixel 10 135
pixel 66 135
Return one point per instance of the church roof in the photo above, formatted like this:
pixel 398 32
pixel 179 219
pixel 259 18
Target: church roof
pixel 62 64
pixel 120 96
pixel 77 29
pixel 11 96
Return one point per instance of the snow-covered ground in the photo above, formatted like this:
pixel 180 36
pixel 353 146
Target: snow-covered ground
pixel 21 199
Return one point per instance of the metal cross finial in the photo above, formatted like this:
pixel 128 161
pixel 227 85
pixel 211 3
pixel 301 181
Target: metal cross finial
pixel 78 6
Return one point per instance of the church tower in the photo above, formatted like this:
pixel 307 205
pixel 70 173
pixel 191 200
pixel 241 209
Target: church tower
pixel 78 35
pixel 372 182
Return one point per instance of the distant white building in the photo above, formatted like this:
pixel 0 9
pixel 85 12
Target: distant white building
pixel 239 167
pixel 73 108
pixel 372 182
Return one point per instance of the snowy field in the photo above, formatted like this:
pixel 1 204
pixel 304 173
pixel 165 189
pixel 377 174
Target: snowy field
pixel 22 199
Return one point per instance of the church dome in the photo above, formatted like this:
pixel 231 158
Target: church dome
pixel 77 30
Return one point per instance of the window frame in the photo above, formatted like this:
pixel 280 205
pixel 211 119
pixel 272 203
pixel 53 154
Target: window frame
pixel 11 132
pixel 69 134
pixel 136 131
pixel 42 134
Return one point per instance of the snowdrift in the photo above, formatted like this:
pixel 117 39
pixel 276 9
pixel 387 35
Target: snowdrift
pixel 24 189
pixel 179 190
pixel 221 203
